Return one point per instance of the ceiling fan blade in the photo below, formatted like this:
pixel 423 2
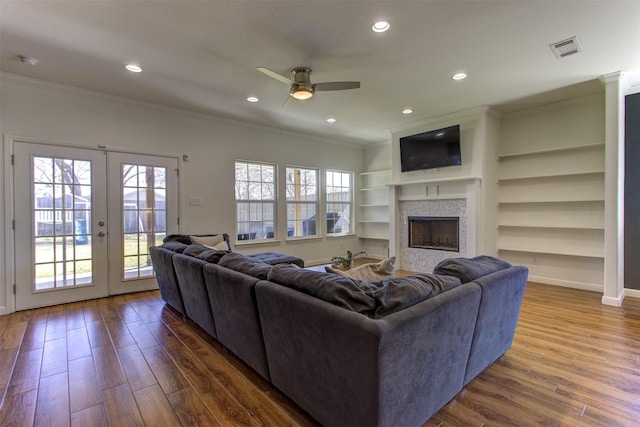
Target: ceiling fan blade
pixel 275 75
pixel 336 85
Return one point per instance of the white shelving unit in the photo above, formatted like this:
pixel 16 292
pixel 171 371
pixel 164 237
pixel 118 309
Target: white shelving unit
pixel 551 202
pixel 373 207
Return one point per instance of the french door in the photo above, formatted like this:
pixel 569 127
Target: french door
pixel 84 220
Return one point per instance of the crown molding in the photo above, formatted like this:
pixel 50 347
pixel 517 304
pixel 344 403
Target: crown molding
pixel 123 100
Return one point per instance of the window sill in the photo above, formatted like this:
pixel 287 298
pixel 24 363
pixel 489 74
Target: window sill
pixel 256 242
pixel 303 239
pixel 341 236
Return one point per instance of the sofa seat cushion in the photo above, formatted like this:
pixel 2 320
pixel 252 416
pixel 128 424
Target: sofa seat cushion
pixel 274 258
pixel 246 264
pixel 341 291
pixel 396 294
pixel 469 269
pixel 368 272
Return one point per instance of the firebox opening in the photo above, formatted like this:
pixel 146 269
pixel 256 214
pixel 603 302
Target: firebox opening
pixel 439 233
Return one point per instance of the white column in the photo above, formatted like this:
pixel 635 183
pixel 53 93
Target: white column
pixel 614 190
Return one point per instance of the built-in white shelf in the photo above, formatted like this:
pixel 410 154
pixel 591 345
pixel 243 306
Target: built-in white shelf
pixel 544 176
pixel 373 222
pixel 555 226
pixel 551 150
pixel 437 180
pixel 584 254
pixel 575 200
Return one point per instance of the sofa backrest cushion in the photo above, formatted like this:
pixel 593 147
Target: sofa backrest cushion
pixel 397 293
pixel 186 238
pixel 174 246
pixel 246 264
pixel 194 250
pixel 212 255
pixel 342 291
pixel 469 269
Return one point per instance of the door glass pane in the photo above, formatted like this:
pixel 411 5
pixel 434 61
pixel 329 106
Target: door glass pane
pixel 144 214
pixel 61 217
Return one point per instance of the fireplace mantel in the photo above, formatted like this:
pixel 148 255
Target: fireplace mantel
pixel 436 181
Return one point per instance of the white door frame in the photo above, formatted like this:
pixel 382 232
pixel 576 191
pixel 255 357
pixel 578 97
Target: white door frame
pixel 7 252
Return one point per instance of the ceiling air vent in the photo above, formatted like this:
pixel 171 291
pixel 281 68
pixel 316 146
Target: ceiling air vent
pixel 566 47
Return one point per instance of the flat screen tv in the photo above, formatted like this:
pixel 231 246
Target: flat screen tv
pixel 431 150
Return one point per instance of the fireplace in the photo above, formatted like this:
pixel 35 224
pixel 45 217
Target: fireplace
pixel 438 233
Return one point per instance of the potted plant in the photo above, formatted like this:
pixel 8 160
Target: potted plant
pixel 345 262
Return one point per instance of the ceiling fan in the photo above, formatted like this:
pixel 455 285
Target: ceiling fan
pixel 301 86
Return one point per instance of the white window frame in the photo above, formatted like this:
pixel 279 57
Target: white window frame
pixel 329 183
pixel 302 225
pixel 256 230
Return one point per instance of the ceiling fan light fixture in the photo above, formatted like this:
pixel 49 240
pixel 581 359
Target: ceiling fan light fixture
pixel 301 91
pixel 380 26
pixel 459 76
pixel 133 68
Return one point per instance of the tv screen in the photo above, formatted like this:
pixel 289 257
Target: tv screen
pixel 431 150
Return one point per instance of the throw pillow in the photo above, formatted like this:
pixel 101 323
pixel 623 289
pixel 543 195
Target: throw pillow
pixel 368 272
pixel 195 250
pixel 245 264
pixel 222 246
pixel 341 291
pixel 175 246
pixel 396 294
pixel 212 255
pixel 207 240
pixel 469 269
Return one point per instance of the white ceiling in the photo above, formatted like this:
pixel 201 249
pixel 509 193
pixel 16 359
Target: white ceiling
pixel 202 55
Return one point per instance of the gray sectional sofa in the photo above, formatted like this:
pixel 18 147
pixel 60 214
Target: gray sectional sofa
pixel 388 353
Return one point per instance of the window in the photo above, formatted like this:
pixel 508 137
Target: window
pixel 339 186
pixel 302 202
pixel 255 200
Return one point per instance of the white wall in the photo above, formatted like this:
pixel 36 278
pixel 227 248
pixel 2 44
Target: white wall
pixel 70 116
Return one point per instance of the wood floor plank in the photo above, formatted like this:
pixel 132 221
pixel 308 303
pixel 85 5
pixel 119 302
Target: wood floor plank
pixel 26 374
pixel 119 333
pixel 141 334
pixel 93 416
pixel 138 373
pixel 12 334
pixel 33 336
pixel 52 407
pixel 190 409
pixel 98 334
pixel 84 387
pixel 155 408
pixel 166 372
pixel 54 357
pixel 120 407
pixel 78 345
pixel 19 410
pixel 108 368
pixel 8 359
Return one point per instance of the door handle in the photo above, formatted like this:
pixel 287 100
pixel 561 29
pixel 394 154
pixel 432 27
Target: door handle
pixel 102 234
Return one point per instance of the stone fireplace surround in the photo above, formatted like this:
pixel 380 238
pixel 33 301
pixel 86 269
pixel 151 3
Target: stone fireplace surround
pixel 423 260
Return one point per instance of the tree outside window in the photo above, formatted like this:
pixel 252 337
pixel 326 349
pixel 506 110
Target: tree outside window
pixel 302 202
pixel 255 185
pixel 339 189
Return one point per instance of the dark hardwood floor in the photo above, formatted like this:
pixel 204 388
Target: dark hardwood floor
pixel 127 360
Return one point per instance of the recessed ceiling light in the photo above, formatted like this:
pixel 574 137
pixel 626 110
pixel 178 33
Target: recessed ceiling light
pixel 331 120
pixel 380 26
pixel 252 99
pixel 407 111
pixel 459 76
pixel 133 68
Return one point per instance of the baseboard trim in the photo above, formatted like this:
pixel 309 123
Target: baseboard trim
pixel 567 283
pixel 614 302
pixel 632 293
